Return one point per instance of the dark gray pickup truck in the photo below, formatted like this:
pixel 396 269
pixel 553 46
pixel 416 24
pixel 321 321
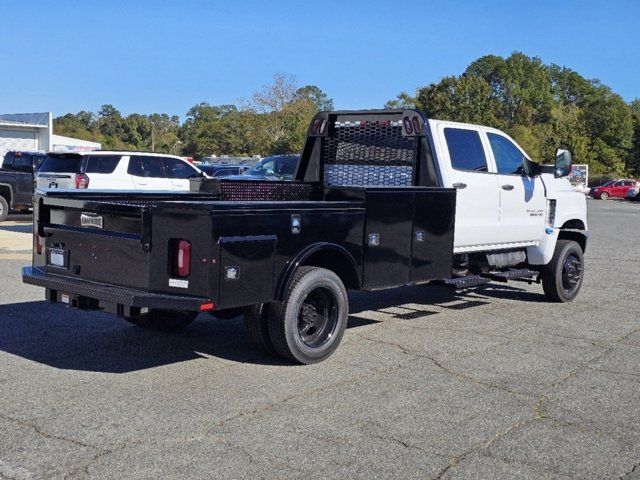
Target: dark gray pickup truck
pixel 16 180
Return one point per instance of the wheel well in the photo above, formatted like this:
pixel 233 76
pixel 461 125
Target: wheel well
pixel 574 230
pixel 339 263
pixel 6 193
pixel 573 224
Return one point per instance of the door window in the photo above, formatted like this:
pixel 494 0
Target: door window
pixel 101 163
pixel 175 168
pixel 509 158
pixel 465 149
pixel 145 166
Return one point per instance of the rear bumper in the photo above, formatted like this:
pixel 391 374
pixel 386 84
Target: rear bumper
pixel 88 295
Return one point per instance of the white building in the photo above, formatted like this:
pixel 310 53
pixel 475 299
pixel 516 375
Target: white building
pixel 34 131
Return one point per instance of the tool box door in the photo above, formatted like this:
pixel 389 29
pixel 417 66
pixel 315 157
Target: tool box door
pixel 432 240
pixel 246 270
pixel 387 239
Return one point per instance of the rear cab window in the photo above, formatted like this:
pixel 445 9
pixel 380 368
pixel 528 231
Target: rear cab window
pixel 465 150
pixel 61 164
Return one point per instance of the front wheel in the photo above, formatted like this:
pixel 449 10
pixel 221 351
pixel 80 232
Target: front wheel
pixel 165 320
pixel 308 325
pixel 604 196
pixel 562 276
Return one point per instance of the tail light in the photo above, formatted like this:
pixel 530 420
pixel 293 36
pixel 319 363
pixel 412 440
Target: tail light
pixel 82 180
pixel 323 126
pixel 182 258
pixel 37 240
pixel 315 127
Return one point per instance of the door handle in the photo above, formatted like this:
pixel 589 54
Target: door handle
pixel 459 185
pixel 507 187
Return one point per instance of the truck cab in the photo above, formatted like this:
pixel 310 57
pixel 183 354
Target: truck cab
pixel 504 201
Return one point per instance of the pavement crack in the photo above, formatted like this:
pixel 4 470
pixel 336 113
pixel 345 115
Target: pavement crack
pixel 313 391
pixel 631 474
pixel 446 369
pixel 479 447
pixel 39 431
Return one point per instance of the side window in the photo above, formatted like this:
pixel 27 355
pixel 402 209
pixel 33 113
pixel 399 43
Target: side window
pixel 628 184
pixel 509 158
pixel 465 149
pixel 617 184
pixel 175 168
pixel 145 166
pixel 22 163
pixel 101 163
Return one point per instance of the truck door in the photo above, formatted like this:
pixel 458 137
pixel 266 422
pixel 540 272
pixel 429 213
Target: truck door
pixel 522 198
pixel 466 168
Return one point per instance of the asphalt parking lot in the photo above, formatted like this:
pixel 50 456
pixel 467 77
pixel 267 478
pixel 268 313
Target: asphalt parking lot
pixel 428 383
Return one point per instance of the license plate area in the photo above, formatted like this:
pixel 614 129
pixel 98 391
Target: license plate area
pixel 58 258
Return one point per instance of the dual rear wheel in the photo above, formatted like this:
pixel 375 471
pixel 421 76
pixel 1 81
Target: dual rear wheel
pixel 308 325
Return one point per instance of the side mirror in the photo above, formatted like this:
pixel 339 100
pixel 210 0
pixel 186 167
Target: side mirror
pixel 564 162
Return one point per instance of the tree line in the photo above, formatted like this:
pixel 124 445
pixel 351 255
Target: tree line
pixel 541 106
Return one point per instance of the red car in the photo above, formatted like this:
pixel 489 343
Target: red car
pixel 614 189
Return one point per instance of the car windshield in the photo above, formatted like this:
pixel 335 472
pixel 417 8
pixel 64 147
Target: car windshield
pixel 279 167
pixel 61 164
pixel 609 183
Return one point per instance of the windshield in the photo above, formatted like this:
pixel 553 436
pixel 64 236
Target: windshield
pixel 279 167
pixel 61 164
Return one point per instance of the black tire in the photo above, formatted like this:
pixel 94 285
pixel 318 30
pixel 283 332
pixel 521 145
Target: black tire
pixel 604 196
pixel 562 277
pixel 4 209
pixel 256 325
pixel 226 314
pixel 165 320
pixel 297 329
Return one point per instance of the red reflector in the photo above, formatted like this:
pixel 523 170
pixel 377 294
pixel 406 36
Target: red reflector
pixel 207 306
pixel 182 258
pixel 37 239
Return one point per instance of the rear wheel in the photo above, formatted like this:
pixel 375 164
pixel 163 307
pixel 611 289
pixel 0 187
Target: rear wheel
pixel 165 320
pixel 604 196
pixel 308 325
pixel 562 276
pixel 4 209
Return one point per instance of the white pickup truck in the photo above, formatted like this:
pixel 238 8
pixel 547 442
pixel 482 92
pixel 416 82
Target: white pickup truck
pixel 509 208
pixel 379 199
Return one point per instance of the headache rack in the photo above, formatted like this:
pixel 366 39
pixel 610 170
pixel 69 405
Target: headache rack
pixel 379 148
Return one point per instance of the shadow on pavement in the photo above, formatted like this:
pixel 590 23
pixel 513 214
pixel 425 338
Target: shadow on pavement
pixel 63 338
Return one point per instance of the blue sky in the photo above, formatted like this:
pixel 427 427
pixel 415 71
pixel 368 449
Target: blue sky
pixel 158 56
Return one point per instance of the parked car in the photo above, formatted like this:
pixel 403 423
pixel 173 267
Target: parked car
pixel 16 180
pixel 614 189
pixel 278 167
pixel 107 170
pixel 222 169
